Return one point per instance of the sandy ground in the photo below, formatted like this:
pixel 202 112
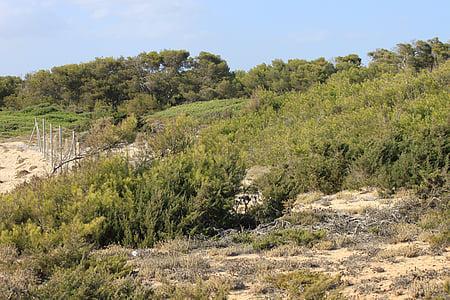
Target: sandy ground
pixel 370 266
pixel 346 201
pixel 366 274
pixel 19 163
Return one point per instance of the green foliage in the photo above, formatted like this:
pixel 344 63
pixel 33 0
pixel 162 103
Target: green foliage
pixel 307 285
pixel 108 202
pixel 382 126
pixel 191 193
pixel 417 56
pixel 16 123
pixel 175 136
pixel 281 77
pixel 138 85
pixel 9 86
pixel 204 112
pixel 347 62
pixel 104 135
pixel 297 236
pixel 140 105
pixel 155 80
pixel 94 278
pixel 390 131
pixel 262 100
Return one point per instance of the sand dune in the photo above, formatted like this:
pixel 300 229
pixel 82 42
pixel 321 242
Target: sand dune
pixel 19 163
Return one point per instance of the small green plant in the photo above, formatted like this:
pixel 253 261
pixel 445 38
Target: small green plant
pixel 204 111
pixel 95 278
pixel 242 238
pixel 306 285
pixel 298 237
pixel 19 123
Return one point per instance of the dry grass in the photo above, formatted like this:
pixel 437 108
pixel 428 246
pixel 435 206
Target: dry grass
pixel 215 287
pixel 347 195
pixel 308 198
pixel 17 284
pixel 424 289
pixel 234 250
pixel 304 284
pixel 408 251
pixel 168 267
pixel 405 232
pixel 326 245
pixel 178 245
pixel 286 250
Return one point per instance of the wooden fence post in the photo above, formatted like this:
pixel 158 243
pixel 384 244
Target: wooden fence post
pixel 63 155
pixel 51 145
pixel 44 142
pixel 60 146
pixel 66 145
pixel 31 136
pixel 38 136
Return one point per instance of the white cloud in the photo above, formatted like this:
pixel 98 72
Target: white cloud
pixel 99 18
pixel 147 18
pixel 31 18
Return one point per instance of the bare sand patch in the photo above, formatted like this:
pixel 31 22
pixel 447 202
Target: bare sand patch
pixel 19 163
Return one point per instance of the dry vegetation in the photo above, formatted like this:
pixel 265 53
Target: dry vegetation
pixel 181 220
pixel 367 264
pixel 342 264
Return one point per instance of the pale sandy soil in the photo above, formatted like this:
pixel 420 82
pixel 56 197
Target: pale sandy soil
pixel 347 201
pixel 371 279
pixel 19 163
pixel 370 266
pixel 365 274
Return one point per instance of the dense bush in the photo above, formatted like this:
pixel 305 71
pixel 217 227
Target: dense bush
pixel 94 278
pixel 155 80
pixel 360 127
pixel 391 132
pixel 295 236
pixel 307 285
pixel 108 202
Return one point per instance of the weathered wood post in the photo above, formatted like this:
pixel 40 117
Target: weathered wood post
pixel 51 146
pixel 73 151
pixel 38 135
pixel 74 144
pixel 66 145
pixel 60 145
pixel 31 136
pixel 44 146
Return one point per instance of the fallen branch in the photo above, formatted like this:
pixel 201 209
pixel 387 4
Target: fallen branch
pixel 81 156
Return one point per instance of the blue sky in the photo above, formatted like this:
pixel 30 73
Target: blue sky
pixel 39 34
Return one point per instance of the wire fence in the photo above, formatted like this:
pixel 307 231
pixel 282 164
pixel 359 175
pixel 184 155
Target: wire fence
pixel 60 147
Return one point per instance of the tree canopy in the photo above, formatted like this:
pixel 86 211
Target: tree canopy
pixel 172 77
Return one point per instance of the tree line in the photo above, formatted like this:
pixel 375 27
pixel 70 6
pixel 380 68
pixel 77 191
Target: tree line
pixel 155 80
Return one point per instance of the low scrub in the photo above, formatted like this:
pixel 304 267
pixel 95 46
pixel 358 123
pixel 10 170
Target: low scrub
pixel 299 237
pixel 307 285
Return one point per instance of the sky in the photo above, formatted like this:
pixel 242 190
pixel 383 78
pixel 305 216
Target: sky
pixel 40 34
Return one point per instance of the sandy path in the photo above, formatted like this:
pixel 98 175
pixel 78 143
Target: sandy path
pixel 19 163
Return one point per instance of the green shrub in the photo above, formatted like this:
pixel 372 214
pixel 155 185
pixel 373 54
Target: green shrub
pixel 276 238
pixel 95 278
pixel 104 135
pixel 242 238
pixel 139 105
pixel 21 123
pixel 263 100
pixel 173 136
pixel 307 285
